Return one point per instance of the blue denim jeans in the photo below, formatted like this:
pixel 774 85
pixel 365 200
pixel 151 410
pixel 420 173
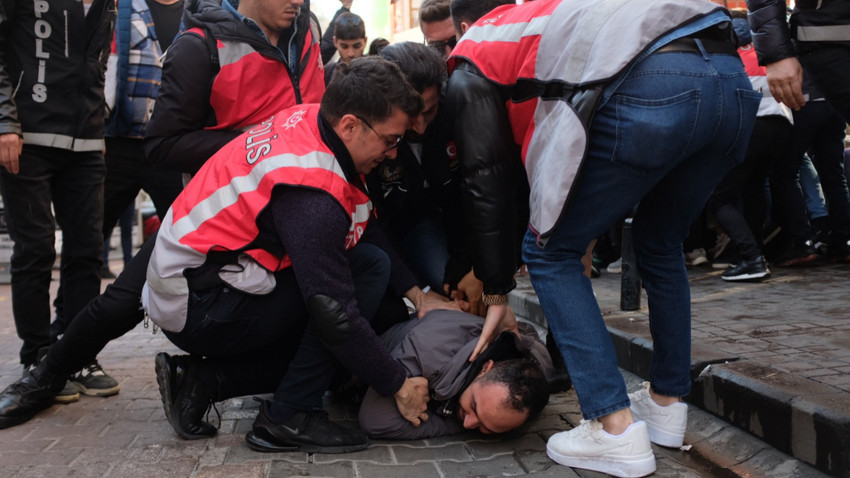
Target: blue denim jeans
pixel 676 124
pixel 425 250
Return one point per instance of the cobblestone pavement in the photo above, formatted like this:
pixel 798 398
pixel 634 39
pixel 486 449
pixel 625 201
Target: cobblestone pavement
pixel 127 435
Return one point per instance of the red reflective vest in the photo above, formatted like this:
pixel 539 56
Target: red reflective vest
pixel 250 87
pixel 544 51
pixel 218 210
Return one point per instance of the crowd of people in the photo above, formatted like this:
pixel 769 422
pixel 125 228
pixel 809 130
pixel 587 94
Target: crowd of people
pixel 360 221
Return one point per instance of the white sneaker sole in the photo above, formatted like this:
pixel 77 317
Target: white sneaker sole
pixel 633 467
pixel 757 275
pixel 665 438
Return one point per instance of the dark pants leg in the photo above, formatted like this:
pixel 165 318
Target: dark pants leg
pixel 827 152
pixel 262 343
pixel 811 124
pixel 744 184
pixel 74 183
pixel 126 173
pixel 78 202
pixel 829 64
pixel 107 317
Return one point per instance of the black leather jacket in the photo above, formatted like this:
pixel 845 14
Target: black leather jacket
pixel 51 82
pixel 491 162
pixel 774 37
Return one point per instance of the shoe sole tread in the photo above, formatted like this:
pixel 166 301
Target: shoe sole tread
pixel 257 443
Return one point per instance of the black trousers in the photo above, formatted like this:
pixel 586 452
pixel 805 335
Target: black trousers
pixel 108 316
pixel 738 202
pixel 73 183
pixel 819 129
pixel 127 172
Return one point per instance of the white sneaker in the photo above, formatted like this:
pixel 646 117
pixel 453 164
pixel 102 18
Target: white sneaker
pixel 666 425
pixel 616 267
pixel 696 257
pixel 590 447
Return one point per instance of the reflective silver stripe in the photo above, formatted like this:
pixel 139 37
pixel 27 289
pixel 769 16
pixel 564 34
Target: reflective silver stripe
pixel 511 32
pixel 62 141
pixel 361 214
pixel 228 194
pixel 169 285
pixel 824 33
pixel 232 52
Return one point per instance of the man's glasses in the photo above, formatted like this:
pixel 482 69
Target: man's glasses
pixel 392 143
pixel 441 45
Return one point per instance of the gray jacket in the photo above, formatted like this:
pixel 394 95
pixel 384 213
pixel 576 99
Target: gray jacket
pixel 437 347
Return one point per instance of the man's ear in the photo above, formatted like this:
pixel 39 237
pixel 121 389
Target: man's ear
pixel 347 127
pixel 486 368
pixel 464 26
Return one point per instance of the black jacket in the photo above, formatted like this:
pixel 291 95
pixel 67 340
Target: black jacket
pixel 52 71
pixel 176 136
pixel 397 188
pixel 773 36
pixel 491 162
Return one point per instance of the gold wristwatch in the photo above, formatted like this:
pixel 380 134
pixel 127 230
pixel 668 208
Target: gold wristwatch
pixel 494 299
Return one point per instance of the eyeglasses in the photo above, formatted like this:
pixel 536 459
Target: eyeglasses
pixel 391 143
pixel 441 45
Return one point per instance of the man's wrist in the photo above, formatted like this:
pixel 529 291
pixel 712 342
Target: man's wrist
pixel 494 299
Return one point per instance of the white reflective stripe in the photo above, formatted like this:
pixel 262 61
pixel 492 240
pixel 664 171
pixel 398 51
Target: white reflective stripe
pixel 361 214
pixel 170 285
pixel 824 33
pixel 233 52
pixel 228 194
pixel 511 32
pixel 62 141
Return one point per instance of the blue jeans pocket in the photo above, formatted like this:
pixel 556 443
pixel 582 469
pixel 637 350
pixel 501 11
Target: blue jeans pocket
pixel 748 104
pixel 666 124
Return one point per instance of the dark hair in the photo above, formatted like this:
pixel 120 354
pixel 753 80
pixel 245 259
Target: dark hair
pixel 423 65
pixel 349 26
pixel 527 385
pixel 470 11
pixel 377 45
pixel 434 11
pixel 370 87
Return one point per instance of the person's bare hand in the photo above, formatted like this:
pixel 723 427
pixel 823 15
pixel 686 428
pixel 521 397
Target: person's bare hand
pixel 426 302
pixel 468 295
pixel 10 152
pixel 412 400
pixel 499 319
pixel 785 79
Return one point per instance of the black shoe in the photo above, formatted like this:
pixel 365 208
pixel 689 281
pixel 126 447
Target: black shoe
pixel 839 251
pixel 748 270
pixel 560 381
pixel 799 253
pixel 91 380
pixel 307 431
pixel 33 393
pixel 184 397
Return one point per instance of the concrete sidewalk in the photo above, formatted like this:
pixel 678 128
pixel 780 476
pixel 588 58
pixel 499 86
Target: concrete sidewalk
pixel 127 435
pixel 772 358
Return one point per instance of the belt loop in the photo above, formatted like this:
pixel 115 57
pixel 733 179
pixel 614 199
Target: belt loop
pixel 701 47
